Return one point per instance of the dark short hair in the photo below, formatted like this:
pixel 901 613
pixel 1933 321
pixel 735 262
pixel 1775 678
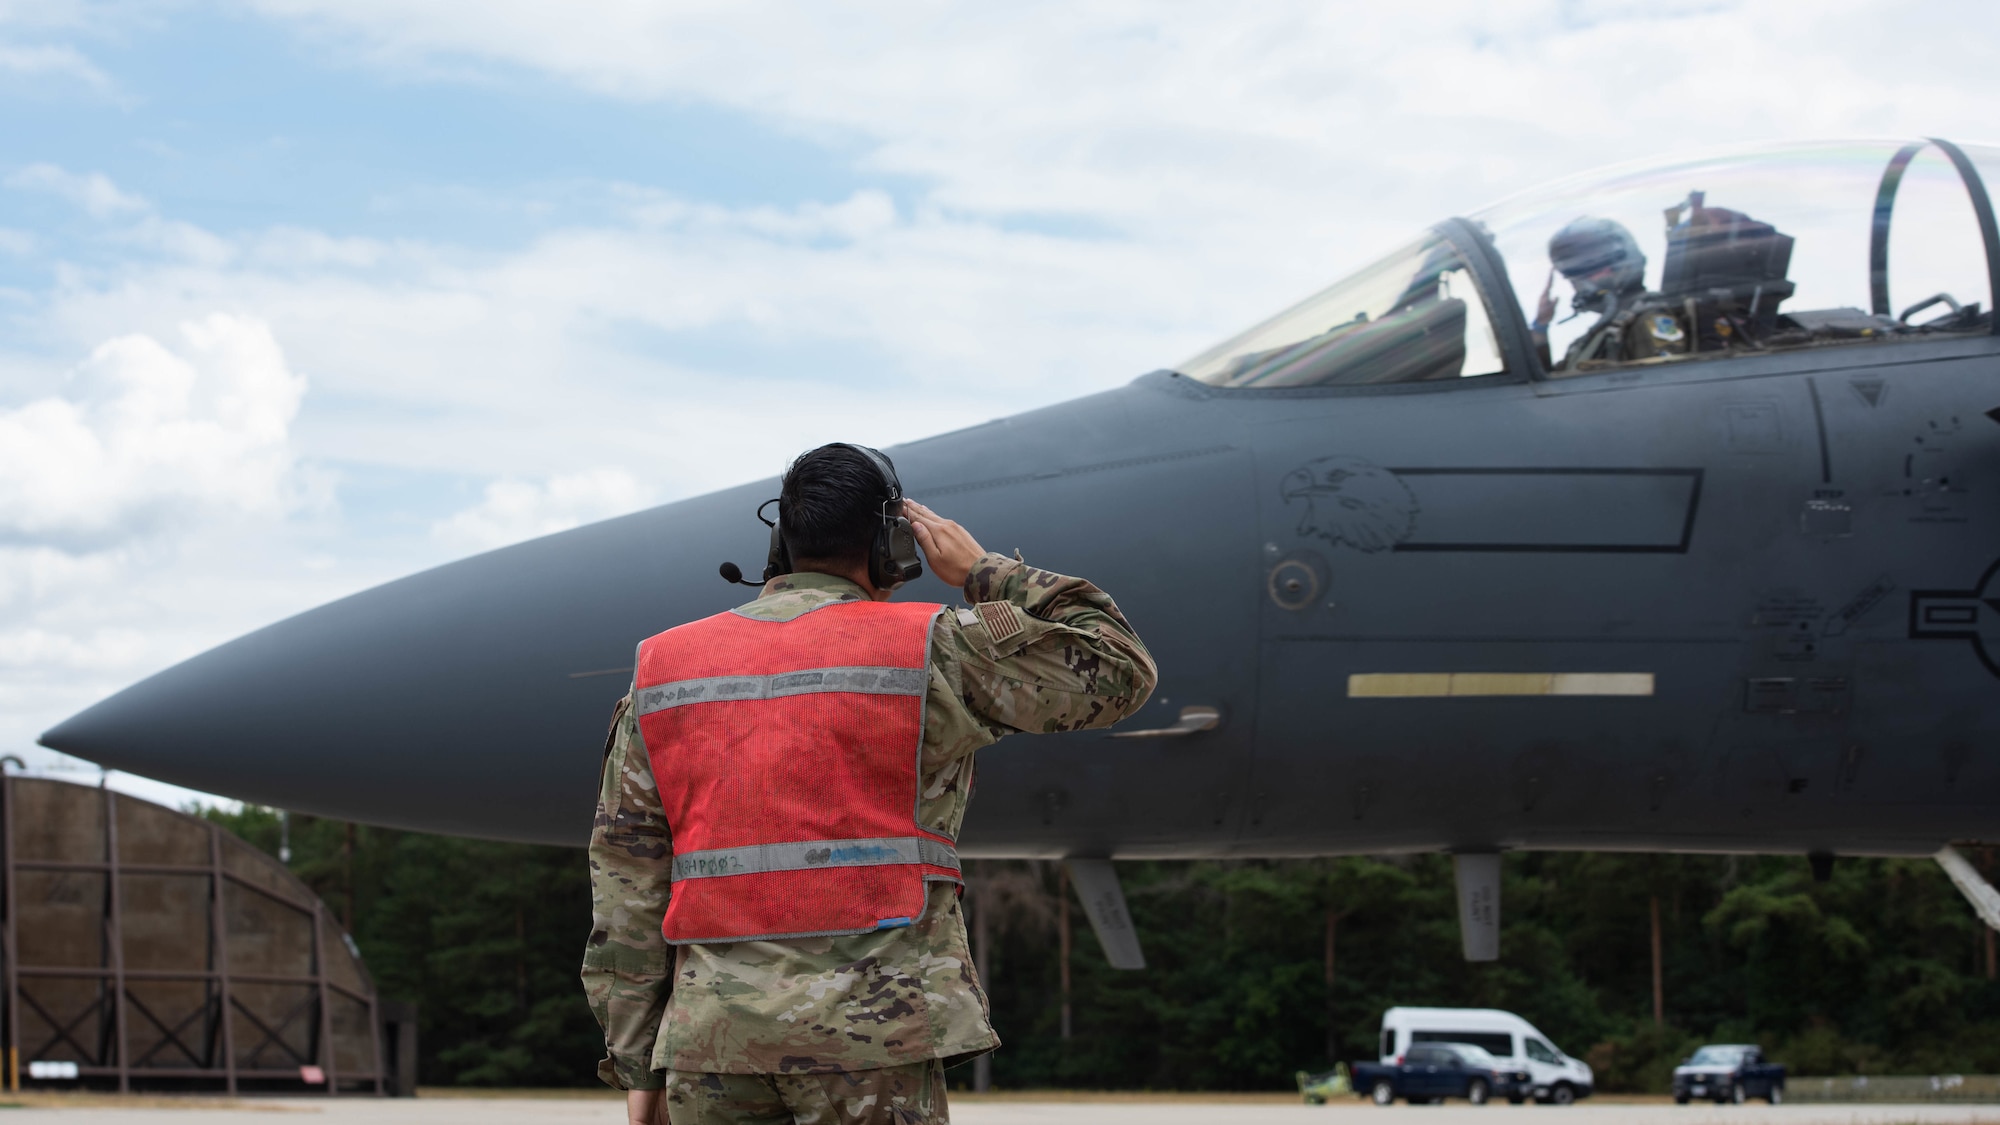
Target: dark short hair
pixel 831 504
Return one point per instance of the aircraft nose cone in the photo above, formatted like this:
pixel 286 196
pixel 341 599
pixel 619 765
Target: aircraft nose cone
pixel 471 699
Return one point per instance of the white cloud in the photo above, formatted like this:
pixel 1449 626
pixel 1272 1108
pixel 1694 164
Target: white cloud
pixel 647 341
pixel 514 510
pixel 137 512
pixel 1164 113
pixel 1239 155
pixel 149 509
pixel 131 222
pixel 45 61
pixel 153 438
pixel 65 14
pixel 92 191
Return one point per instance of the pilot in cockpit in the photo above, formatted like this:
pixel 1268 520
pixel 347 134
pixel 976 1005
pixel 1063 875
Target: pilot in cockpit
pixel 1603 264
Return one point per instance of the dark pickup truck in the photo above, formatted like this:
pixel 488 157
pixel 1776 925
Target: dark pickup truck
pixel 1432 1072
pixel 1729 1072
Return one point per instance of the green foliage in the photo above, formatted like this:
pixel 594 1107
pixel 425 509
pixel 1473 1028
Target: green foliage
pixel 1880 970
pixel 484 937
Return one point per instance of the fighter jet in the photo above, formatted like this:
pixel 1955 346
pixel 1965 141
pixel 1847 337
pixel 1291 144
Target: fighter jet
pixel 1653 509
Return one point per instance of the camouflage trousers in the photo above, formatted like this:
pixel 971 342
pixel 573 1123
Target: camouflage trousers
pixel 912 1094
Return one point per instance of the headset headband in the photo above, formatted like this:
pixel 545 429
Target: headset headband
pixel 893 558
pixel 882 466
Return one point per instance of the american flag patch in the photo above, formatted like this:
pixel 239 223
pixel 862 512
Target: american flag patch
pixel 1003 620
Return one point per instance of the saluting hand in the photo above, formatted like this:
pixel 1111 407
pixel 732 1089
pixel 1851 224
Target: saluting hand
pixel 950 549
pixel 1545 309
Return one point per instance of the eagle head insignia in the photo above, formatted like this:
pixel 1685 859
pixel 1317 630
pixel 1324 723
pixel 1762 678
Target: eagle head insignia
pixel 1348 500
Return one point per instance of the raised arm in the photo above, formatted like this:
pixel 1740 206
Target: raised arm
pixel 1038 651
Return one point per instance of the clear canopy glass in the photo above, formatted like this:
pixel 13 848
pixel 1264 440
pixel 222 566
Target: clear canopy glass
pixel 1413 316
pixel 1733 253
pixel 1786 261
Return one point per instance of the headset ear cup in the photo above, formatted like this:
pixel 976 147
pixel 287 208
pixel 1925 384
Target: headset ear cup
pixel 779 560
pixel 894 559
pixel 903 560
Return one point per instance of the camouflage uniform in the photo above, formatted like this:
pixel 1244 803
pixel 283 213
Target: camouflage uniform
pixel 896 1095
pixel 1037 652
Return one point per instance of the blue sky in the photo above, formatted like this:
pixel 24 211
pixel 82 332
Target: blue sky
pixel 237 122
pixel 297 296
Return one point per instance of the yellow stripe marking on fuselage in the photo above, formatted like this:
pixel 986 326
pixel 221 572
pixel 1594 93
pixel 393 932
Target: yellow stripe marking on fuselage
pixel 1436 685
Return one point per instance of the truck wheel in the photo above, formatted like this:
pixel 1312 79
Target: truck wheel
pixel 1563 1094
pixel 1475 1092
pixel 1776 1096
pixel 1382 1094
pixel 1680 1099
pixel 1515 1099
pixel 1738 1094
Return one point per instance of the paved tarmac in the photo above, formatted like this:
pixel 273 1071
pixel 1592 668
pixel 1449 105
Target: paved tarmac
pixel 968 1111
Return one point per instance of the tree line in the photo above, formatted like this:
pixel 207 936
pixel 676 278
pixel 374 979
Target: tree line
pixel 1256 968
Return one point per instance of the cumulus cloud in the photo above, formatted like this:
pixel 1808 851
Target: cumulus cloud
pixel 150 438
pixel 647 342
pixel 513 510
pixel 149 508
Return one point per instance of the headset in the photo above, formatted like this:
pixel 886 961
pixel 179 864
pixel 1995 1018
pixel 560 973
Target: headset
pixel 892 556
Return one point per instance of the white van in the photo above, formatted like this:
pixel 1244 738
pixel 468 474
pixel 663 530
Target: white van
pixel 1552 1075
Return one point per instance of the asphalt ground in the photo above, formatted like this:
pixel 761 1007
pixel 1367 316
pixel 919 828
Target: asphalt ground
pixel 1020 1109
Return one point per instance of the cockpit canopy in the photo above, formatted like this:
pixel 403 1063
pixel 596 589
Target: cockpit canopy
pixel 1722 256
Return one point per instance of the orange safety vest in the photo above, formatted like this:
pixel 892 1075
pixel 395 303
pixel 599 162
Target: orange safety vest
pixel 786 755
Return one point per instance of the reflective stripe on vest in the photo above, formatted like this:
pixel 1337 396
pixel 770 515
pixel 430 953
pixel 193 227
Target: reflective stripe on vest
pixel 809 854
pixel 787 756
pixel 716 689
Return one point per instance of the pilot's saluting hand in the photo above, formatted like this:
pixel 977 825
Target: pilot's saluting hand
pixel 1545 309
pixel 950 549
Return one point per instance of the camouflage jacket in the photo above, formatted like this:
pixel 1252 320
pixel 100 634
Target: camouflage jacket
pixel 1040 653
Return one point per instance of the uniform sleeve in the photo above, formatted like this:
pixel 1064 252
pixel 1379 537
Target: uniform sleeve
pixel 627 974
pixel 1043 652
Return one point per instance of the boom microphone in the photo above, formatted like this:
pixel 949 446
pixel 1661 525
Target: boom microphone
pixel 733 573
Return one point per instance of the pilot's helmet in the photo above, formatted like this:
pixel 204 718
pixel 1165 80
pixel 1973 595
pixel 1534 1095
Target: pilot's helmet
pixel 1589 247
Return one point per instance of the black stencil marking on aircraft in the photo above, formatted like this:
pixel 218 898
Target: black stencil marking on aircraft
pixel 1352 501
pixel 1819 423
pixel 1754 426
pixel 1793 695
pixel 1787 609
pixel 1622 510
pixel 1961 615
pixel 1858 606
